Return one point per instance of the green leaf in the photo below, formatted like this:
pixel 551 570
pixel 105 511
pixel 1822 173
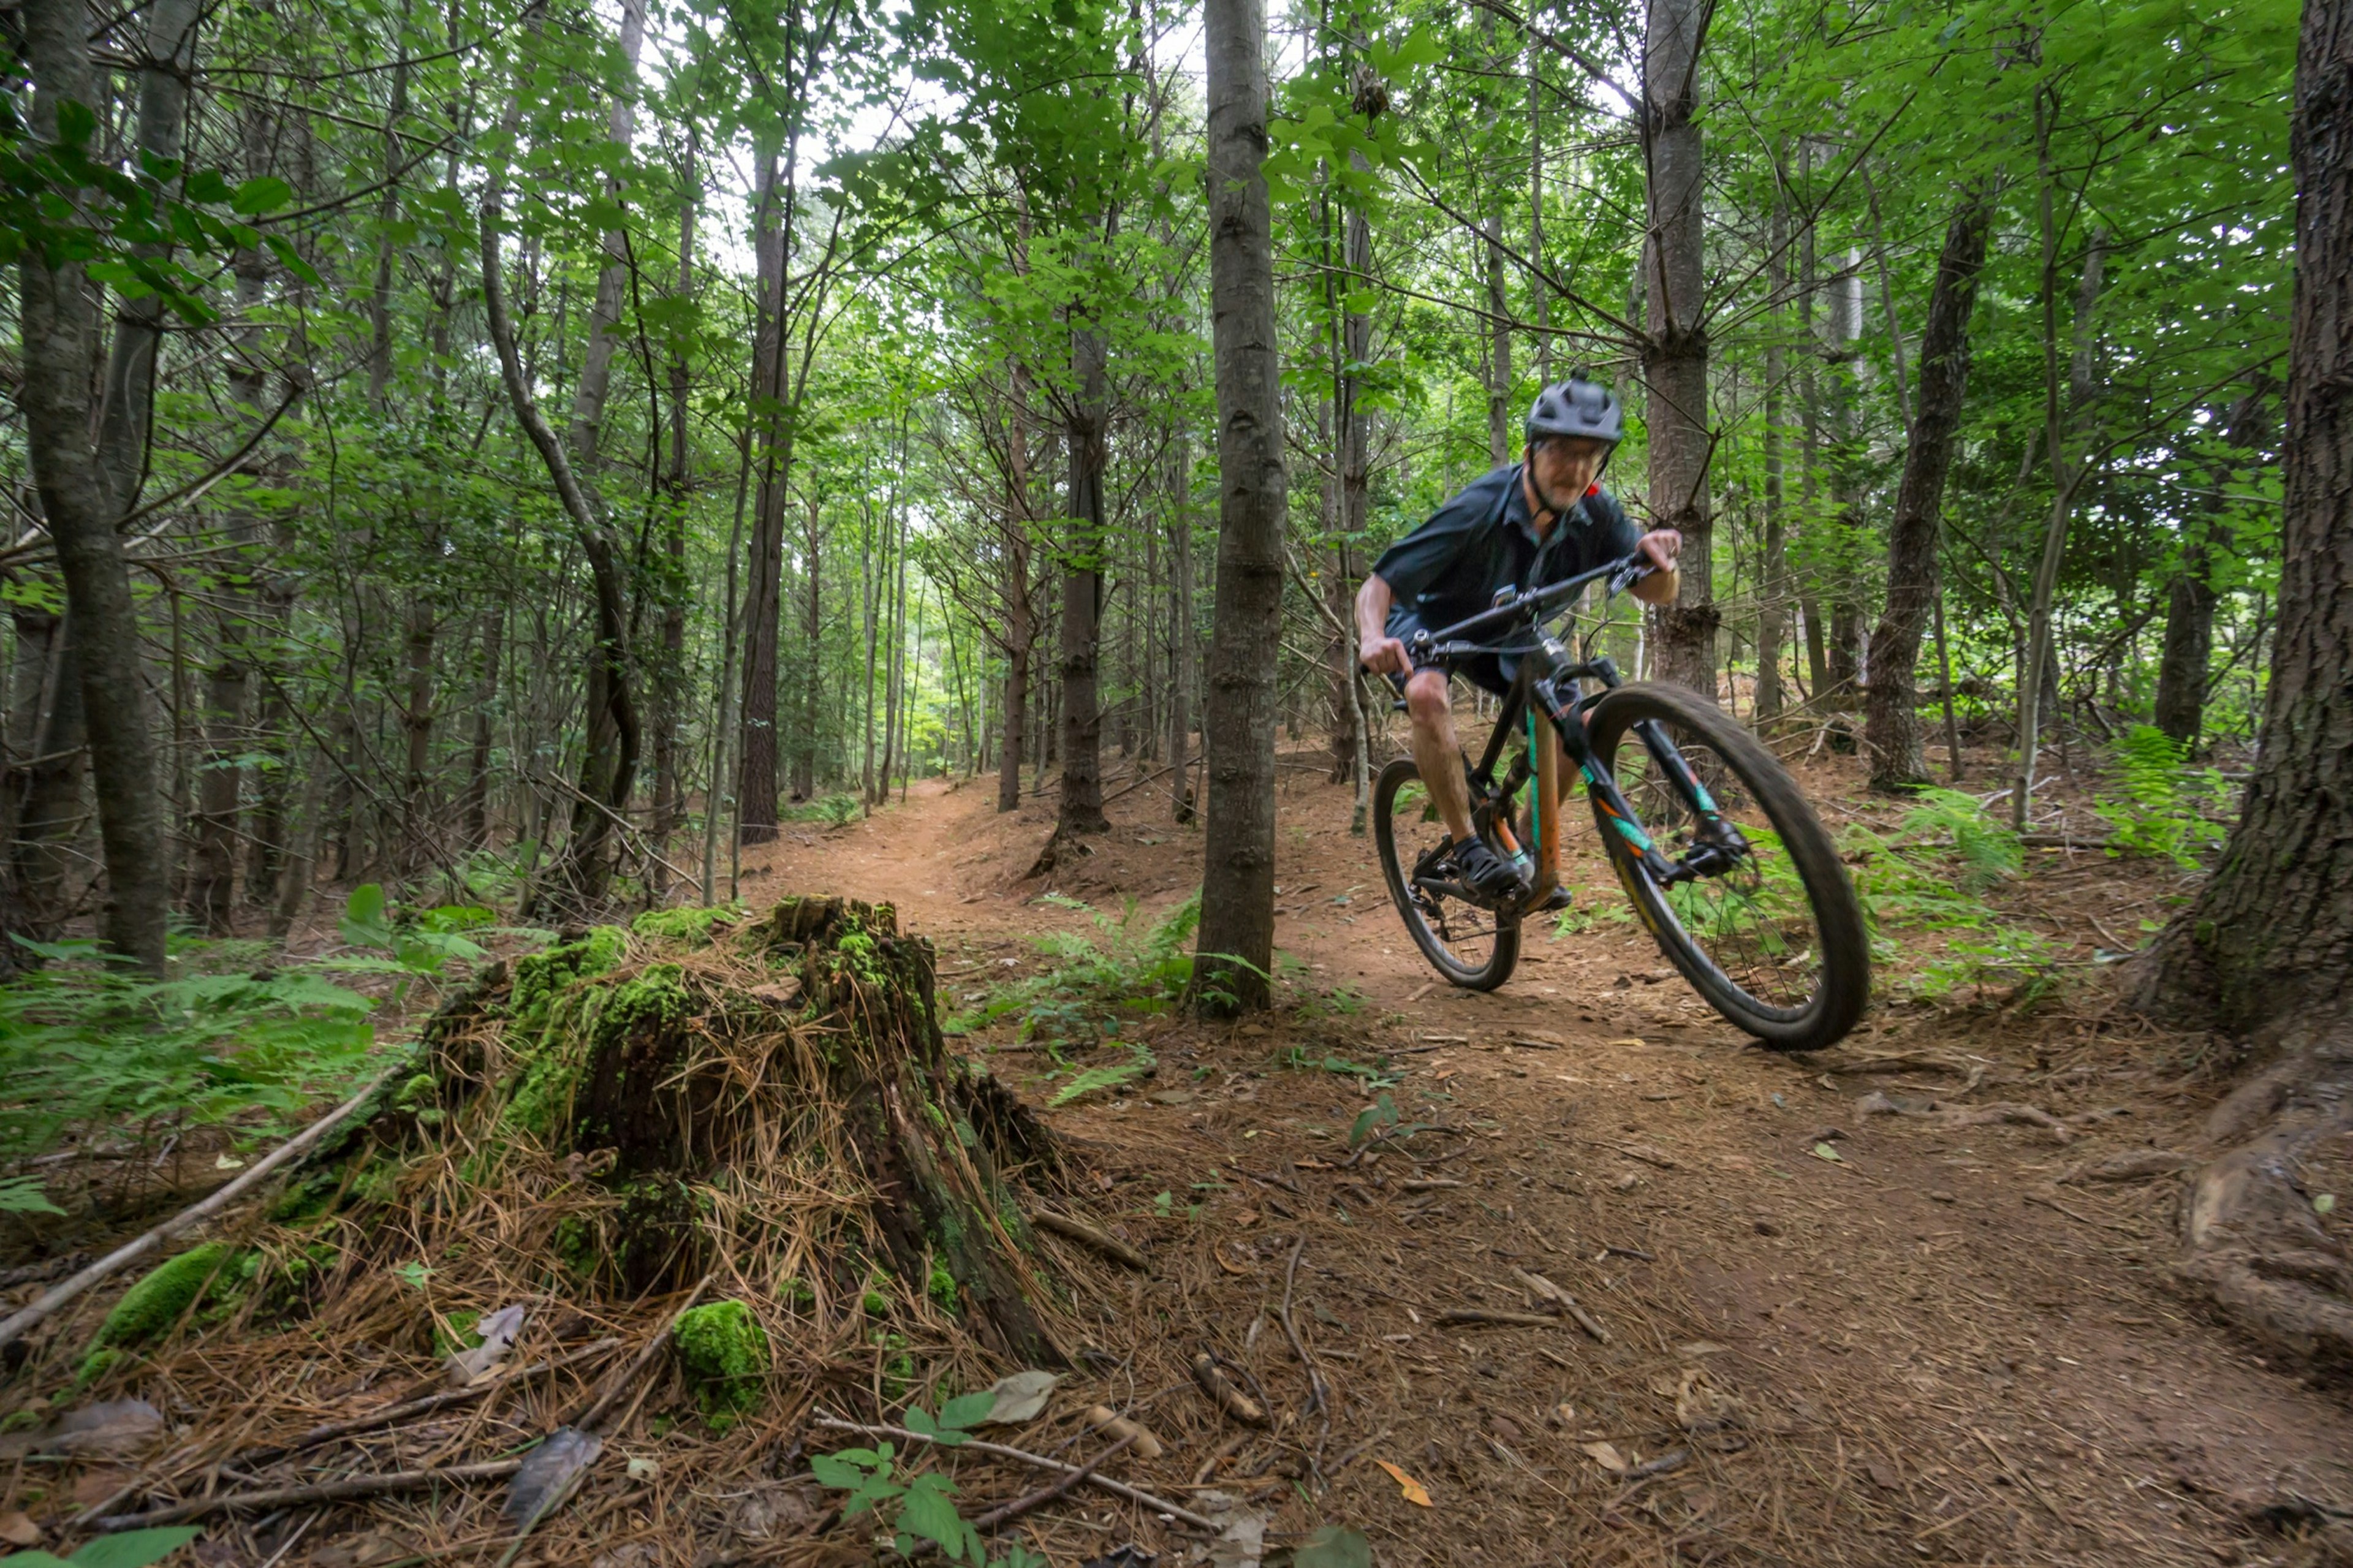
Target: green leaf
pixel 839 1471
pixel 928 1513
pixel 364 925
pixel 132 1548
pixel 967 1409
pixel 1334 1547
pixel 919 1419
pixel 26 1194
pixel 262 194
pixel 207 186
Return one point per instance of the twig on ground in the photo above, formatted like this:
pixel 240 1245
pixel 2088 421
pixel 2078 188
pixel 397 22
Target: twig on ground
pixel 1111 1246
pixel 1290 1331
pixel 320 1491
pixel 979 1445
pixel 1473 1317
pixel 1047 1493
pixel 131 1251
pixel 332 1430
pixel 615 1387
pixel 1223 1393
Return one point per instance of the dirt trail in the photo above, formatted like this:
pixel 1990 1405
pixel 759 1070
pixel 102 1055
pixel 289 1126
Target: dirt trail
pixel 1926 1350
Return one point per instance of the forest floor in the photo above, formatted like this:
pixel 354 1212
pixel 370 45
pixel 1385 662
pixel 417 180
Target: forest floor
pixel 1943 1345
pixel 1832 1337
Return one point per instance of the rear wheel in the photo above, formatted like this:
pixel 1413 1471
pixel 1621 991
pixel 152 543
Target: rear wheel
pixel 1473 947
pixel 1772 938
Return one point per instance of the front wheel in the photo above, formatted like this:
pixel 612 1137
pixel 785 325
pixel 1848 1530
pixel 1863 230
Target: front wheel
pixel 1771 934
pixel 1473 947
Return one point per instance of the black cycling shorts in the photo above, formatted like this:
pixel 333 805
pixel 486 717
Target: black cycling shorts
pixel 1486 670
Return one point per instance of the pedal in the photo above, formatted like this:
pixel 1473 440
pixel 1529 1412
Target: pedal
pixel 1559 898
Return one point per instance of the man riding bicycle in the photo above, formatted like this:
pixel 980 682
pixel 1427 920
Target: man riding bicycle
pixel 1539 521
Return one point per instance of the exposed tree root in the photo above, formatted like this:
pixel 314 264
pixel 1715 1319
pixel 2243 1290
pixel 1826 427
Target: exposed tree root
pixel 2255 1250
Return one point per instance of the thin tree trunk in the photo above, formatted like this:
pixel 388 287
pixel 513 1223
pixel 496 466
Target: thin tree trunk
pixel 1020 628
pixel 84 491
pixel 1236 954
pixel 1079 810
pixel 1181 651
pixel 1674 346
pixel 758 785
pixel 2179 709
pixel 1892 725
pixel 1773 613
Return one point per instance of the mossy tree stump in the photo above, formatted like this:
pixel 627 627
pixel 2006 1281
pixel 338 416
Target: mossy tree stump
pixel 779 1096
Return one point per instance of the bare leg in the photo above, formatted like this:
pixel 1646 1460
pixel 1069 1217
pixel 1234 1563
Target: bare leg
pixel 1437 752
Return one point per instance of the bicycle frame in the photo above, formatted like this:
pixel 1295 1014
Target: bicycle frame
pixel 1546 683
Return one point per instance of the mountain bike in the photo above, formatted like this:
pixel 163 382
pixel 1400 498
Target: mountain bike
pixel 1726 865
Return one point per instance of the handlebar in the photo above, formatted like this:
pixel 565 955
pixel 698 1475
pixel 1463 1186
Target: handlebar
pixel 1622 573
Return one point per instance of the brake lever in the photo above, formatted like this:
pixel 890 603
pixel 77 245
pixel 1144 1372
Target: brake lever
pixel 1634 569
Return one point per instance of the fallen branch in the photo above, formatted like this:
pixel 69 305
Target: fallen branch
pixel 132 1251
pixel 980 1446
pixel 1223 1393
pixel 320 1491
pixel 1047 1494
pixel 1545 1289
pixel 332 1430
pixel 1473 1317
pixel 1111 1246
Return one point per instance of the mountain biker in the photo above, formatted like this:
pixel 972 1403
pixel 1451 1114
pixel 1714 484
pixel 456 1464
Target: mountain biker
pixel 1537 521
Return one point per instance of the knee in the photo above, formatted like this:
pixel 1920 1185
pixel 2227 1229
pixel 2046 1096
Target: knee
pixel 1425 694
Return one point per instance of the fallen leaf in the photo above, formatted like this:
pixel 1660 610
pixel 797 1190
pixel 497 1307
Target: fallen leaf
pixel 1111 1423
pixel 548 1476
pixel 228 1163
pixel 108 1427
pixel 1701 1347
pixel 1412 1490
pixel 1701 1406
pixel 498 1331
pixel 1605 1454
pixel 1246 1216
pixel 1882 1475
pixel 2324 1204
pixel 783 997
pixel 1826 1151
pixel 18 1530
pixel 1563 1415
pixel 1020 1395
pixel 644 1470
pixel 1218 1253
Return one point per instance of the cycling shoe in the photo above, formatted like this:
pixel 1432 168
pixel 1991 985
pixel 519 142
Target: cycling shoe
pixel 1488 873
pixel 1559 898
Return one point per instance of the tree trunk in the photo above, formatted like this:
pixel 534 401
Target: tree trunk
pixel 811 669
pixel 2267 947
pixel 671 683
pixel 758 783
pixel 1183 655
pixel 1499 342
pixel 2179 709
pixel 85 491
pixel 1020 619
pixel 1773 588
pixel 477 770
pixel 1081 810
pixel 1674 345
pixel 1235 953
pixel 609 767
pixel 1892 726
pixel 2066 479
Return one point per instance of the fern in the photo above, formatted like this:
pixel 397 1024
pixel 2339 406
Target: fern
pixel 2167 804
pixel 1110 1077
pixel 1095 979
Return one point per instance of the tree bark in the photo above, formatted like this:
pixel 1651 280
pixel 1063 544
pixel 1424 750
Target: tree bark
pixel 2267 947
pixel 1773 589
pixel 1892 723
pixel 1235 953
pixel 1183 657
pixel 1020 619
pixel 1674 346
pixel 2180 707
pixel 1081 808
pixel 85 491
pixel 758 783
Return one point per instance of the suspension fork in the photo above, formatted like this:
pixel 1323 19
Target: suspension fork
pixel 1616 810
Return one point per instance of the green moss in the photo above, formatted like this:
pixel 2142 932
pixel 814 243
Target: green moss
pixel 655 998
pixel 162 1297
pixel 942 1288
pixel 18 1420
pixel 796 1291
pixel 417 1094
pixel 95 1366
pixel 577 1244
pixel 877 1304
pixel 687 926
pixel 724 1354
pixel 541 975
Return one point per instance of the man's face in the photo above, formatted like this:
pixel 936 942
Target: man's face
pixel 1563 469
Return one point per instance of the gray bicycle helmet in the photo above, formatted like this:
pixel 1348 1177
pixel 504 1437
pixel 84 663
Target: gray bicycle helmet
pixel 1585 409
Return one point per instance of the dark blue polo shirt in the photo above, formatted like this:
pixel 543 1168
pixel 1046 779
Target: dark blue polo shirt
pixel 1484 540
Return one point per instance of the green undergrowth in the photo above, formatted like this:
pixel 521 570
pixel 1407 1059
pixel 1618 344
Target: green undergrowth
pixel 1126 970
pixel 2168 809
pixel 1938 873
pixel 834 810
